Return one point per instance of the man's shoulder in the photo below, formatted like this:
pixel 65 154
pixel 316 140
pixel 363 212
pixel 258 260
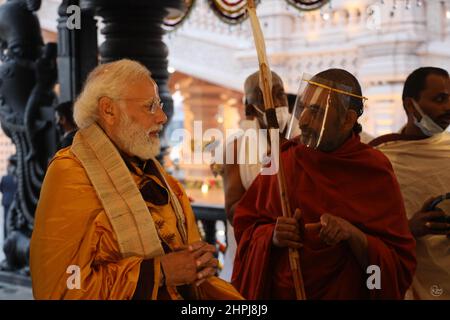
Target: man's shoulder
pixel 289 144
pixel 373 153
pixel 386 138
pixel 390 138
pixel 65 163
pixel 63 153
pixel 65 156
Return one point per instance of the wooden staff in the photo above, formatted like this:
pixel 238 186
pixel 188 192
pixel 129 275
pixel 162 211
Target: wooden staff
pixel 265 83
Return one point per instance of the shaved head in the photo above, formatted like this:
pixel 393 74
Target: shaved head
pixel 328 117
pixel 254 96
pixel 252 81
pixel 348 80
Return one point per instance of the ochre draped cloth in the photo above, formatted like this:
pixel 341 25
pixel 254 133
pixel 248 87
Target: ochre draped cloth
pixel 72 228
pixel 356 183
pixel 422 167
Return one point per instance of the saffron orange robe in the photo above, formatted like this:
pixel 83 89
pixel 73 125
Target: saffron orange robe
pixel 356 183
pixel 72 229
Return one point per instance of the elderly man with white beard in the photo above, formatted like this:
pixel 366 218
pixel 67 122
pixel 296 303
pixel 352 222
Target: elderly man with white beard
pixel 110 222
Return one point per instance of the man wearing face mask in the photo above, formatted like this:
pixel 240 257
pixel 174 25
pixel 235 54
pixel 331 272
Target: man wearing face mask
pixel 239 175
pixel 344 195
pixel 420 155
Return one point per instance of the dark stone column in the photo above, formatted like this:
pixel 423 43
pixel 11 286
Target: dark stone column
pixel 27 77
pixel 77 51
pixel 133 30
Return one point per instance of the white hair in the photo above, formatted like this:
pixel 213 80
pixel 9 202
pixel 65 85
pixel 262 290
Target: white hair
pixel 106 80
pixel 135 140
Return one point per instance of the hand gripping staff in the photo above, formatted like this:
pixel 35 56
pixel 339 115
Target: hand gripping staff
pixel 265 83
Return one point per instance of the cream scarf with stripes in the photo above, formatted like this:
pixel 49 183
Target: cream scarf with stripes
pixel 119 194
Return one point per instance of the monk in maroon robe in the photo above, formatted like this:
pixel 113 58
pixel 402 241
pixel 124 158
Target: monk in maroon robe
pixel 350 219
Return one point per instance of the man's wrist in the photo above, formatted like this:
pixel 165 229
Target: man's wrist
pixel 359 245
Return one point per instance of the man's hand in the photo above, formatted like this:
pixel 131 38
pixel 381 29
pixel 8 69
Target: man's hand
pixel 287 232
pixel 205 261
pixel 334 229
pixel 190 264
pixel 423 222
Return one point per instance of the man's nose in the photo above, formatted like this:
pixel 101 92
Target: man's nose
pixel 447 105
pixel 161 117
pixel 305 119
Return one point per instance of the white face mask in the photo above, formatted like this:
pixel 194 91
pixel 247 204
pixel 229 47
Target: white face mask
pixel 249 124
pixel 426 124
pixel 283 117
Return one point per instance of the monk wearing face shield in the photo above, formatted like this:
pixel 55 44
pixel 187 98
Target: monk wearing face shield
pixel 349 214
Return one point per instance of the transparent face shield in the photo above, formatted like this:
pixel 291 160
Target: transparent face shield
pixel 320 104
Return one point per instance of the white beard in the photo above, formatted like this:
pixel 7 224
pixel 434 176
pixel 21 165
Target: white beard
pixel 134 140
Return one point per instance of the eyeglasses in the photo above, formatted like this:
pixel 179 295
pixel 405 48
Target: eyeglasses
pixel 154 105
pixel 151 106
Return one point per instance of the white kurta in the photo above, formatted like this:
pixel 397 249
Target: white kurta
pixel 423 171
pixel 248 172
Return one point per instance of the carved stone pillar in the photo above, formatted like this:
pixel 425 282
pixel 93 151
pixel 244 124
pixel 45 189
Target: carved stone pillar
pixel 27 77
pixel 133 29
pixel 77 50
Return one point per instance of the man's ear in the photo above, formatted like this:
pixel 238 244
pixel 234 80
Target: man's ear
pixel 350 120
pixel 106 110
pixel 250 109
pixel 411 112
pixel 407 104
